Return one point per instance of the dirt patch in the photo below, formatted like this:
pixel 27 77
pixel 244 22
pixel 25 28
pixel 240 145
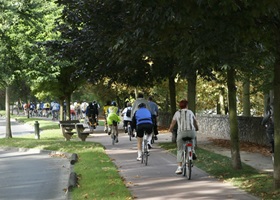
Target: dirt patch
pixel 244 146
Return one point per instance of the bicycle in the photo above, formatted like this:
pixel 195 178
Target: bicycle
pixel 114 134
pixel 187 162
pixel 129 131
pixel 145 151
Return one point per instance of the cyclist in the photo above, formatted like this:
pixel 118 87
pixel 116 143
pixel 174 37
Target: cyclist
pixel 142 119
pixel 126 113
pixel 55 110
pixel 113 118
pixel 154 111
pixel 91 113
pixel 140 99
pixel 187 127
pixel 105 111
pixel 268 122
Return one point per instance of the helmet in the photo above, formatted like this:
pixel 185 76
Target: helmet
pixel 114 103
pixel 141 105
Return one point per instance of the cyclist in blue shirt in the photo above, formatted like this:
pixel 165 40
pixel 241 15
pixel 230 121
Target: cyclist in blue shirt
pixel 143 121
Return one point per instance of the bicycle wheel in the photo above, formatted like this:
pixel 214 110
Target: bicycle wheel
pixel 129 132
pixel 113 136
pixel 189 165
pixel 146 152
pixel 184 163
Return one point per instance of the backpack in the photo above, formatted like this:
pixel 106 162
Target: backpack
pixel 128 112
pixel 91 111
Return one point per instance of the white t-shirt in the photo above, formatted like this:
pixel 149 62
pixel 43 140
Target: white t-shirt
pixel 185 119
pixel 126 118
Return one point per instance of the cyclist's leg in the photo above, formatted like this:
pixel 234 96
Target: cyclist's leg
pixel 155 127
pixel 125 125
pixel 115 126
pixel 140 134
pixel 180 149
pixel 149 130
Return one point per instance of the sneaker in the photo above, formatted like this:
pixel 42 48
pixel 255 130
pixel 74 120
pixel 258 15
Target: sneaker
pixel 179 170
pixel 116 140
pixel 155 137
pixel 125 130
pixel 149 146
pixel 194 156
pixel 139 158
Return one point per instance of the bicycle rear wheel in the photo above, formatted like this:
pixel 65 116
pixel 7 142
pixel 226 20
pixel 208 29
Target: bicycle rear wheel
pixel 129 132
pixel 184 163
pixel 189 167
pixel 146 152
pixel 113 136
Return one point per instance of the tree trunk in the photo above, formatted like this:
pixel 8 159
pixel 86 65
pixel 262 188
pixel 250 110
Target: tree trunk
pixel 8 115
pixel 246 97
pixel 276 115
pixel 192 92
pixel 234 137
pixel 68 114
pixel 172 92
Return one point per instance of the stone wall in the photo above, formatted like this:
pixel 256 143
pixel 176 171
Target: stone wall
pixel 217 126
pixel 250 129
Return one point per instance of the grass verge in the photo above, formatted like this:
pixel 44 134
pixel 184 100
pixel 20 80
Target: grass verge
pixel 248 179
pixel 98 177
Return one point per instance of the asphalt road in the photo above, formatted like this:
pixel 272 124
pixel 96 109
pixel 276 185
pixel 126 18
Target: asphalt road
pixel 32 174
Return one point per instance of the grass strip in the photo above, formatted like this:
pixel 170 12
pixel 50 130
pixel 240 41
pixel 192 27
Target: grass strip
pixel 248 179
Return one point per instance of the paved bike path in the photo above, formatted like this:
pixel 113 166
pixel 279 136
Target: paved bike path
pixel 158 180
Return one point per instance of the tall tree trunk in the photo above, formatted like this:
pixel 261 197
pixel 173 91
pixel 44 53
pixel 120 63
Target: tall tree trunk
pixel 61 114
pixel 8 115
pixel 172 92
pixel 192 92
pixel 246 97
pixel 221 103
pixel 234 137
pixel 68 114
pixel 276 115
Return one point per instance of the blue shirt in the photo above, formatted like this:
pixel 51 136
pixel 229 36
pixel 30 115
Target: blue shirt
pixel 154 108
pixel 143 116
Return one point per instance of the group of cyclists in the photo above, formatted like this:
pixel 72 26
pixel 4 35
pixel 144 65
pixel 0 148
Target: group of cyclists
pixel 141 115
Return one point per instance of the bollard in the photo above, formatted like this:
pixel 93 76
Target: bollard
pixel 37 130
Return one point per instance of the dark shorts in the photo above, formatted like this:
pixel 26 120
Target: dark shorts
pixel 144 127
pixel 125 122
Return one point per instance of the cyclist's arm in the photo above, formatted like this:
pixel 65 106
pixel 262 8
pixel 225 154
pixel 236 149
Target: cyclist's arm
pixel 172 124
